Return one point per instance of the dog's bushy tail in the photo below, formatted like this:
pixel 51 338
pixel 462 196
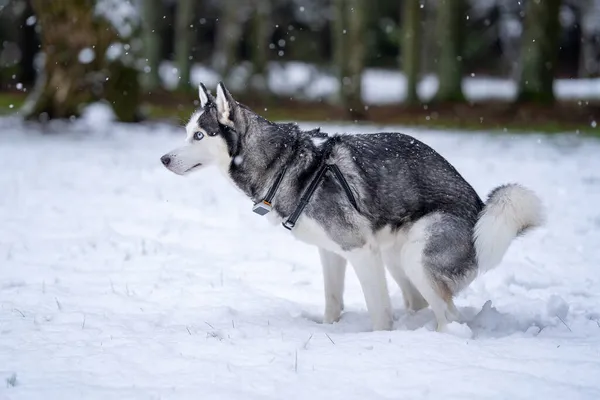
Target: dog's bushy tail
pixel 509 211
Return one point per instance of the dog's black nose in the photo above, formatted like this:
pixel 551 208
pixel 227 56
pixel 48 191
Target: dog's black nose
pixel 166 160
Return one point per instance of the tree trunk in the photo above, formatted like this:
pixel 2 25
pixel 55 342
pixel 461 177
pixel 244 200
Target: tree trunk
pixel 428 39
pixel 228 36
pixel 67 28
pixel 152 11
pixel 349 53
pixel 450 21
pixel 411 46
pixel 10 52
pixel 76 71
pixel 590 38
pixel 510 42
pixel 122 91
pixel 29 47
pixel 539 51
pixel 260 40
pixel 184 41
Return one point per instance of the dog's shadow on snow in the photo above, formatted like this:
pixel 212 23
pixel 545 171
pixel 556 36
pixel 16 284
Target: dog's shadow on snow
pixel 483 322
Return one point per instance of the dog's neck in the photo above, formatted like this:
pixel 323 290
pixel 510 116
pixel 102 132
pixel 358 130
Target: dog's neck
pixel 260 159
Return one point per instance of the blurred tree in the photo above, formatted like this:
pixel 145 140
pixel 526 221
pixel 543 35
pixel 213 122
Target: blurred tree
pixel 228 35
pixel 589 60
pixel 10 52
pixel 411 46
pixel 509 38
pixel 259 43
pixel 349 52
pixel 152 12
pixel 450 21
pixel 184 41
pixel 28 44
pixel 80 65
pixel 428 39
pixel 539 51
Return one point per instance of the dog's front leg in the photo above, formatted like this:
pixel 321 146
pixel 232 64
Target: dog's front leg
pixel 371 274
pixel 334 272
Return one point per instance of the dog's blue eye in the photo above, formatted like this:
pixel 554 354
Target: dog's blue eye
pixel 198 135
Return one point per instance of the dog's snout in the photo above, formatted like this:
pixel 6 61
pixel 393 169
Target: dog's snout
pixel 166 160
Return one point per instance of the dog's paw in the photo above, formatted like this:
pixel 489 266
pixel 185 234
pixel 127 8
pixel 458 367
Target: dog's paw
pixel 332 317
pixel 457 329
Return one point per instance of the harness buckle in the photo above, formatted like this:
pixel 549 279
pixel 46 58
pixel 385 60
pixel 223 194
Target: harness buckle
pixel 289 225
pixel 262 208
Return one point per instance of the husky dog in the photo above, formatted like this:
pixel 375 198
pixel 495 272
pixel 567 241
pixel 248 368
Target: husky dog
pixel 397 204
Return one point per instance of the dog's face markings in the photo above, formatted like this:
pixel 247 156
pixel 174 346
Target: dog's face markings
pixel 203 144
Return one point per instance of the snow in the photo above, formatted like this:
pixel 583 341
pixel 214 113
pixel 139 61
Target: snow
pixel 380 86
pixel 114 51
pixel 318 141
pixel 119 279
pixel 31 20
pixel 98 116
pixel 558 307
pixel 237 160
pixel 122 15
pixel 86 55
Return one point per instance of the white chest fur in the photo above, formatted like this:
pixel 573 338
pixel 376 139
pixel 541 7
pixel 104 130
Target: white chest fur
pixel 308 231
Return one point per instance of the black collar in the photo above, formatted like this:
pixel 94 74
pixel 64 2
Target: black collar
pixel 265 205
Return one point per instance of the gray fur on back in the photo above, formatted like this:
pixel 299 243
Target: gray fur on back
pixel 396 179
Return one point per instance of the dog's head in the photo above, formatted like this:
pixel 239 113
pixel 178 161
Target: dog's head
pixel 215 133
pixel 206 142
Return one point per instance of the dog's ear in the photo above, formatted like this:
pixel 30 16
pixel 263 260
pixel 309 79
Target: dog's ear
pixel 226 105
pixel 205 96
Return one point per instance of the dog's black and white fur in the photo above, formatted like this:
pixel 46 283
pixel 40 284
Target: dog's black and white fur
pixel 416 215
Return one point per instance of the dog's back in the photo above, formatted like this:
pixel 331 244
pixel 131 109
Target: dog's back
pixel 405 179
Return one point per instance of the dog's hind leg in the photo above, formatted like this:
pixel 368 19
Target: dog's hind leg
pixel 334 272
pixel 437 258
pixel 370 271
pixel 411 256
pixel 453 312
pixel 413 300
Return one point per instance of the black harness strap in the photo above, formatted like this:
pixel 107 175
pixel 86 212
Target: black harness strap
pixel 310 190
pixel 273 189
pixel 340 177
pixel 264 206
pixel 292 219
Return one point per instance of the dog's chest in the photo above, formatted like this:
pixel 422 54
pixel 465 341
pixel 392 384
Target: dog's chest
pixel 309 231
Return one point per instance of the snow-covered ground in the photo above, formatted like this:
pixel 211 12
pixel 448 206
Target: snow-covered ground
pixel 121 280
pixel 379 86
